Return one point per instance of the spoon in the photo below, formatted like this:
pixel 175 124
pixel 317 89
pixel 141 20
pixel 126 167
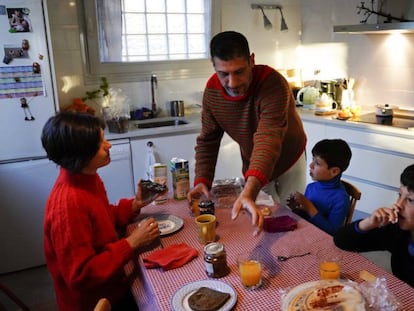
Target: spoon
pixel 284 258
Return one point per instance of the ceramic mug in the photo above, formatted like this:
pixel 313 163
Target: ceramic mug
pixel 206 228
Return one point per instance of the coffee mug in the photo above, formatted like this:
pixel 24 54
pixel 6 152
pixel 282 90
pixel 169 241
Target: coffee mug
pixel 206 228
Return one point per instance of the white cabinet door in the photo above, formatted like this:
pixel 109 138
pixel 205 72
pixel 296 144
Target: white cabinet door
pixel 314 133
pixel 165 148
pixel 117 176
pixel 182 146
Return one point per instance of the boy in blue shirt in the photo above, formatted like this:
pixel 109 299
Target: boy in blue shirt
pixel 325 202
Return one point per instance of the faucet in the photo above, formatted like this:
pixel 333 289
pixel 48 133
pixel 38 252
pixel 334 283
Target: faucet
pixel 154 86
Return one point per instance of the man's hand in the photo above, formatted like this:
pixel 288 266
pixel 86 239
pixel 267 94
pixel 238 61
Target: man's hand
pixel 198 191
pixel 248 204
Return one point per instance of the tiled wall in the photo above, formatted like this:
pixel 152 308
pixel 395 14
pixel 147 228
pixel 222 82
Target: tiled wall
pixel 382 65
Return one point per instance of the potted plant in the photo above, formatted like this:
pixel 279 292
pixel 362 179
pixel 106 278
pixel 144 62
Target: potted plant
pixel 115 106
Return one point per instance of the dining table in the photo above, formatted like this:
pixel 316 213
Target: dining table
pixel 154 289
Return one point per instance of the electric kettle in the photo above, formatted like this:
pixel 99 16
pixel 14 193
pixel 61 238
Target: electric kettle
pixel 307 96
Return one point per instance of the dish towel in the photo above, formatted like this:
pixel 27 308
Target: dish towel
pixel 171 257
pixel 279 224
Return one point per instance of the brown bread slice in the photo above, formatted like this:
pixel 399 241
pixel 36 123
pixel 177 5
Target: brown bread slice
pixel 207 299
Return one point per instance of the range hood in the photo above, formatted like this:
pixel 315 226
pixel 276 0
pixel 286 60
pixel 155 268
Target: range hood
pixel 384 28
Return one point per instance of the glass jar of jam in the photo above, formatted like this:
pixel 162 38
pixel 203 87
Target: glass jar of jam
pixel 216 260
pixel 206 207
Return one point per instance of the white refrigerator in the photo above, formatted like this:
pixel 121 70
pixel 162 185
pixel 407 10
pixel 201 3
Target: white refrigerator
pixel 27 100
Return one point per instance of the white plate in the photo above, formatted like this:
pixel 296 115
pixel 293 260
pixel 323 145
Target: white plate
pixel 168 223
pixel 179 301
pixel 301 297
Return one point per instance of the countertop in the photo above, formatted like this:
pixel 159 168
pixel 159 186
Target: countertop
pixel 309 115
pixel 194 125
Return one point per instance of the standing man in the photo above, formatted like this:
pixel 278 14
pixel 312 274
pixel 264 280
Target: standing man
pixel 254 105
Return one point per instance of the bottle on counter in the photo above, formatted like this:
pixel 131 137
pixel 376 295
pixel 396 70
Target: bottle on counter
pixel 159 175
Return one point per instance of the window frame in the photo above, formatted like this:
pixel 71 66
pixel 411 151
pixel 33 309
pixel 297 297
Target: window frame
pixel 94 69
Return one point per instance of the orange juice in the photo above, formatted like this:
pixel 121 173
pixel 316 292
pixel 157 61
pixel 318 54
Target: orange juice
pixel 329 270
pixel 250 273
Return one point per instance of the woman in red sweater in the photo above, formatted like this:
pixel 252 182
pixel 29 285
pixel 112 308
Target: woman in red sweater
pixel 84 252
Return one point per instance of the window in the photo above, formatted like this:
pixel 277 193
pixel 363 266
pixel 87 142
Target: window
pixel 128 40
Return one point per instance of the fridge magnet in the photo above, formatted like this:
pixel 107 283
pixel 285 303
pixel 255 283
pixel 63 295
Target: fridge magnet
pixel 2 10
pixel 15 52
pixel 20 81
pixel 27 113
pixel 19 20
pixel 7 59
pixel 36 68
pixel 25 44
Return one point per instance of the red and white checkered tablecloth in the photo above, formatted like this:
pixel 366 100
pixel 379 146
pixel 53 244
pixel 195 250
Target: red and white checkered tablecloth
pixel 154 288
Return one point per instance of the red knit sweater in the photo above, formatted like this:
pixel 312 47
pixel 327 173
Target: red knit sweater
pixel 83 252
pixel 264 122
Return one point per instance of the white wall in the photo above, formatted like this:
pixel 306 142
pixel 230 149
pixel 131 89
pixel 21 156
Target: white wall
pixel 236 15
pixel 382 65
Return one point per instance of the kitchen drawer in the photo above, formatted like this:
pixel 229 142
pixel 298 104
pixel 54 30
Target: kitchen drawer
pixel 373 197
pixel 391 143
pixel 377 167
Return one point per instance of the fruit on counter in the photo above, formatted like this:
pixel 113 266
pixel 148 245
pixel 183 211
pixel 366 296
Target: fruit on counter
pixel 344 113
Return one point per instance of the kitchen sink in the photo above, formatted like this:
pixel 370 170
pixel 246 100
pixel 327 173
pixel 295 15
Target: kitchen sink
pixel 146 125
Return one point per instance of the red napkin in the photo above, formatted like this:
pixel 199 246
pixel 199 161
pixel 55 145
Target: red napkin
pixel 171 257
pixel 279 224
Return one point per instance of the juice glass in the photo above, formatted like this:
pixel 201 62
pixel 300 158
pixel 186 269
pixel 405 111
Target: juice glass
pixel 329 269
pixel 250 270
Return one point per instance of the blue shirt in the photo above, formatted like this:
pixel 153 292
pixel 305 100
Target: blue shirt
pixel 332 202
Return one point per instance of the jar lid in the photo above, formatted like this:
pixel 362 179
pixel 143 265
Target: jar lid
pixel 214 248
pixel 206 203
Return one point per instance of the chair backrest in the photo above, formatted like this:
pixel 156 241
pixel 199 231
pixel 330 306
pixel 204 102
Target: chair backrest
pixel 103 305
pixel 354 196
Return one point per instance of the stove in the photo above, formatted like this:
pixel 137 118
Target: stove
pixel 396 120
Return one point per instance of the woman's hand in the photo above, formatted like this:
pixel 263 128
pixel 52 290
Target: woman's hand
pixel 146 232
pixel 144 197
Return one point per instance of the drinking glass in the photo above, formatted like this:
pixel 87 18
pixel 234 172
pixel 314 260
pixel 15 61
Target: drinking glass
pixel 250 269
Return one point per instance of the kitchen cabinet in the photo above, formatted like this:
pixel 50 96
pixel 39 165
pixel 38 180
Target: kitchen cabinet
pixel 378 158
pixel 117 176
pixel 182 146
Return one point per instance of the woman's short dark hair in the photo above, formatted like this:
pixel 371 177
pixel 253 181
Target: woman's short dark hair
pixel 335 152
pixel 71 139
pixel 228 45
pixel 407 178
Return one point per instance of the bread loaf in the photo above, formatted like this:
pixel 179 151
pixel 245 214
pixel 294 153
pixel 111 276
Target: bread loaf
pixel 207 299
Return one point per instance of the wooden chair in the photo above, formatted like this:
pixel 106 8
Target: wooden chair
pixel 354 196
pixel 103 305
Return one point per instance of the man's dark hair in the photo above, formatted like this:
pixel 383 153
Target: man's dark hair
pixel 71 139
pixel 228 45
pixel 335 152
pixel 407 178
